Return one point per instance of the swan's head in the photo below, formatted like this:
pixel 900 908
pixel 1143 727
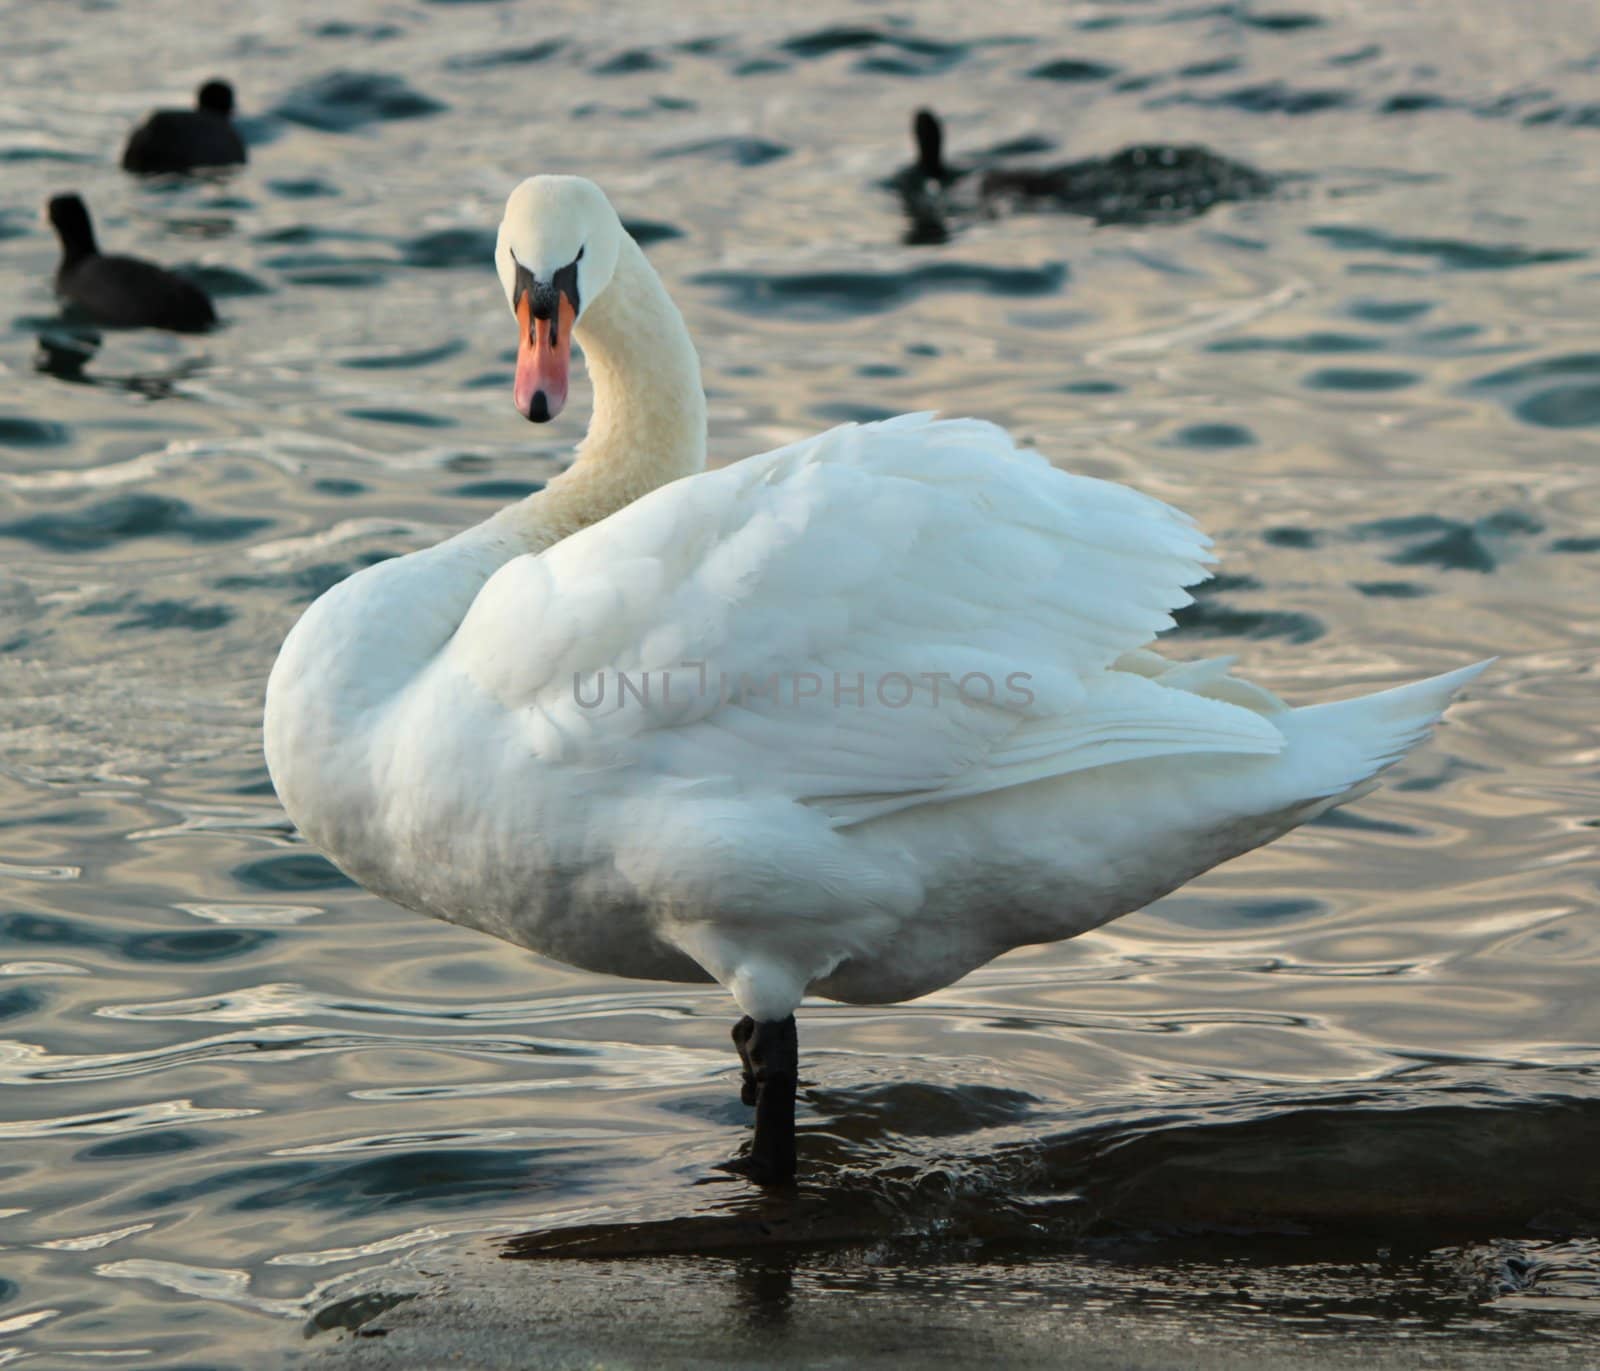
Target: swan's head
pixel 556 252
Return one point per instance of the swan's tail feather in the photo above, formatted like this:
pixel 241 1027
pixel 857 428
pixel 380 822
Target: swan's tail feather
pixel 1362 736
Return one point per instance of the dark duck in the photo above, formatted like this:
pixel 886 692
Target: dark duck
pixel 175 140
pixel 1146 183
pixel 121 292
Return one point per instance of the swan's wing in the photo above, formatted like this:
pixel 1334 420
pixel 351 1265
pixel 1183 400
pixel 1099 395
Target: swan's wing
pixel 877 617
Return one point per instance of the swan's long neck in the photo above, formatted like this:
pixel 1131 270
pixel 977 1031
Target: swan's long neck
pixel 373 633
pixel 649 420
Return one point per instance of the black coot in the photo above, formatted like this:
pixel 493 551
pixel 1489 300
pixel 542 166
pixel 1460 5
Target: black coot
pixel 121 292
pixel 930 168
pixel 921 186
pixel 182 139
pixel 1148 183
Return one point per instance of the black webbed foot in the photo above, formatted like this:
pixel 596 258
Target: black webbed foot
pixel 742 1033
pixel 770 1052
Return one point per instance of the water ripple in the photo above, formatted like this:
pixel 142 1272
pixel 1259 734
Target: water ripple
pixel 248 1100
pixel 817 295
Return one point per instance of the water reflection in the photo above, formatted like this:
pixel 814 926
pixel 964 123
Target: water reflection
pixel 765 1293
pixel 66 354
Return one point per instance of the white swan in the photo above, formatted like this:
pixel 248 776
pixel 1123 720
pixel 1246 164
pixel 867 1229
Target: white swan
pixel 852 717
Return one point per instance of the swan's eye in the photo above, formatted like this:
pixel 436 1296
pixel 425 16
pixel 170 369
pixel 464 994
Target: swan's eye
pixel 524 282
pixel 565 280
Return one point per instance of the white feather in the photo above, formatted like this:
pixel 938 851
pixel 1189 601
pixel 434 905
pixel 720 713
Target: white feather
pixel 559 727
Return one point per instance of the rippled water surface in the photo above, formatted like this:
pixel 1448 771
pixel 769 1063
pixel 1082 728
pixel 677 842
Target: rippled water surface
pixel 235 1084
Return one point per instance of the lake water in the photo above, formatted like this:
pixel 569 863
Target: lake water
pixel 237 1086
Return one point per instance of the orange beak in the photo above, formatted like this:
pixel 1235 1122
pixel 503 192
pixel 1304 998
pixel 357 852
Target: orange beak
pixel 542 357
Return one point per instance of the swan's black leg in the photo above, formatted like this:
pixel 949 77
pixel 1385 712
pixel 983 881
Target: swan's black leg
pixel 742 1032
pixel 771 1053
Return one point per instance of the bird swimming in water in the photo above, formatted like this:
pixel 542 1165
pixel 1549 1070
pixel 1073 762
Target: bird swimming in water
pixel 1145 183
pixel 174 140
pixel 122 292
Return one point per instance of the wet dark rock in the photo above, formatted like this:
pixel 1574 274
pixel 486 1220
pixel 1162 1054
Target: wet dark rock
pixel 1364 1164
pixel 353 1313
